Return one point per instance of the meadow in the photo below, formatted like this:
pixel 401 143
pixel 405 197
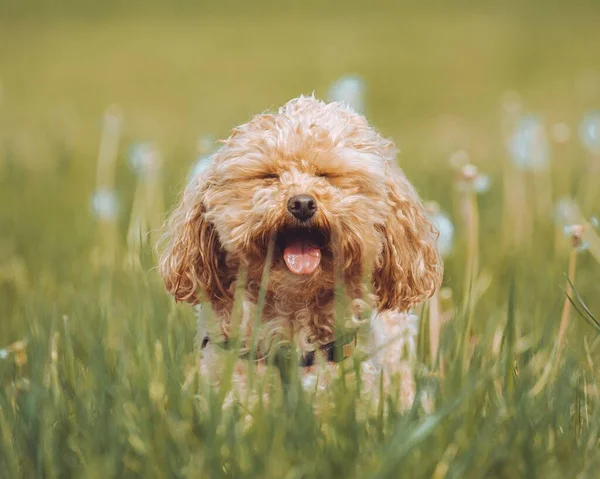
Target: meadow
pixel 492 108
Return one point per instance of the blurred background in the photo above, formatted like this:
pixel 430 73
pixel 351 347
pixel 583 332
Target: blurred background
pixel 448 81
pixel 108 107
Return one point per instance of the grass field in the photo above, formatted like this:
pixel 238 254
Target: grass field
pixel 97 371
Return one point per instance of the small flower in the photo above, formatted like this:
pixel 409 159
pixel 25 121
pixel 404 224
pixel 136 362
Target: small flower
pixel 350 90
pixel 561 133
pixel 469 179
pixel 589 132
pixel 574 226
pixel 104 204
pixel 482 183
pixel 201 165
pixel 565 211
pixel 143 158
pixel 206 150
pixel 469 172
pixel 575 233
pixel 528 144
pixel 443 224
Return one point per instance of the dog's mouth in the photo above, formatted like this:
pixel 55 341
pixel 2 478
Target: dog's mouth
pixel 301 249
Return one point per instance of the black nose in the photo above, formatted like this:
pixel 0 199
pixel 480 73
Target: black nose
pixel 302 207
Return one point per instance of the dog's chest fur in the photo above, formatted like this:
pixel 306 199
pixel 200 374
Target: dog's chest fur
pixel 302 315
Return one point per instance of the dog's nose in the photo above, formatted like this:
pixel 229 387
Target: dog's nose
pixel 302 207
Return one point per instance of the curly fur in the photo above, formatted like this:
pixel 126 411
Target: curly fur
pixel 230 214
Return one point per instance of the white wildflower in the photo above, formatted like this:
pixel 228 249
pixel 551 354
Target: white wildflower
pixel 443 224
pixel 575 233
pixel 589 132
pixel 565 211
pixel 143 158
pixel 482 183
pixel 201 165
pixel 206 152
pixel 528 145
pixel 104 204
pixel 350 90
pixel 470 179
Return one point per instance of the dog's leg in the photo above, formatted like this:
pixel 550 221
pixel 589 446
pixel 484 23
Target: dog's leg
pixel 392 345
pixel 213 368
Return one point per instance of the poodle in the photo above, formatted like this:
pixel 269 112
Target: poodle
pixel 295 210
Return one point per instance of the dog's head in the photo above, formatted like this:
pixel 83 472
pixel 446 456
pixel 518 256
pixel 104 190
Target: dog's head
pixel 320 185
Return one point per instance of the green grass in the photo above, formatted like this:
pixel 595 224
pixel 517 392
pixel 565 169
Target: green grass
pixel 108 387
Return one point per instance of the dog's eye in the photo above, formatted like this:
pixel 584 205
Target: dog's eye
pixel 269 176
pixel 323 174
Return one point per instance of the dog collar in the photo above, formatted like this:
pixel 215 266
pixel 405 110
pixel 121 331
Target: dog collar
pixel 334 352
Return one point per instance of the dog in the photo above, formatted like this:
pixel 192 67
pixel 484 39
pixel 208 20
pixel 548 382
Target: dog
pixel 301 201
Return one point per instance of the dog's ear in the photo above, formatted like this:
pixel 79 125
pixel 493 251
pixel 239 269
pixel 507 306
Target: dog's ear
pixel 192 260
pixel 409 269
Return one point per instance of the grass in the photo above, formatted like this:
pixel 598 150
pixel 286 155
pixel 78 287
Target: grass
pixel 104 384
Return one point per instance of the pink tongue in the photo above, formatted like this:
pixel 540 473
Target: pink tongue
pixel 301 258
